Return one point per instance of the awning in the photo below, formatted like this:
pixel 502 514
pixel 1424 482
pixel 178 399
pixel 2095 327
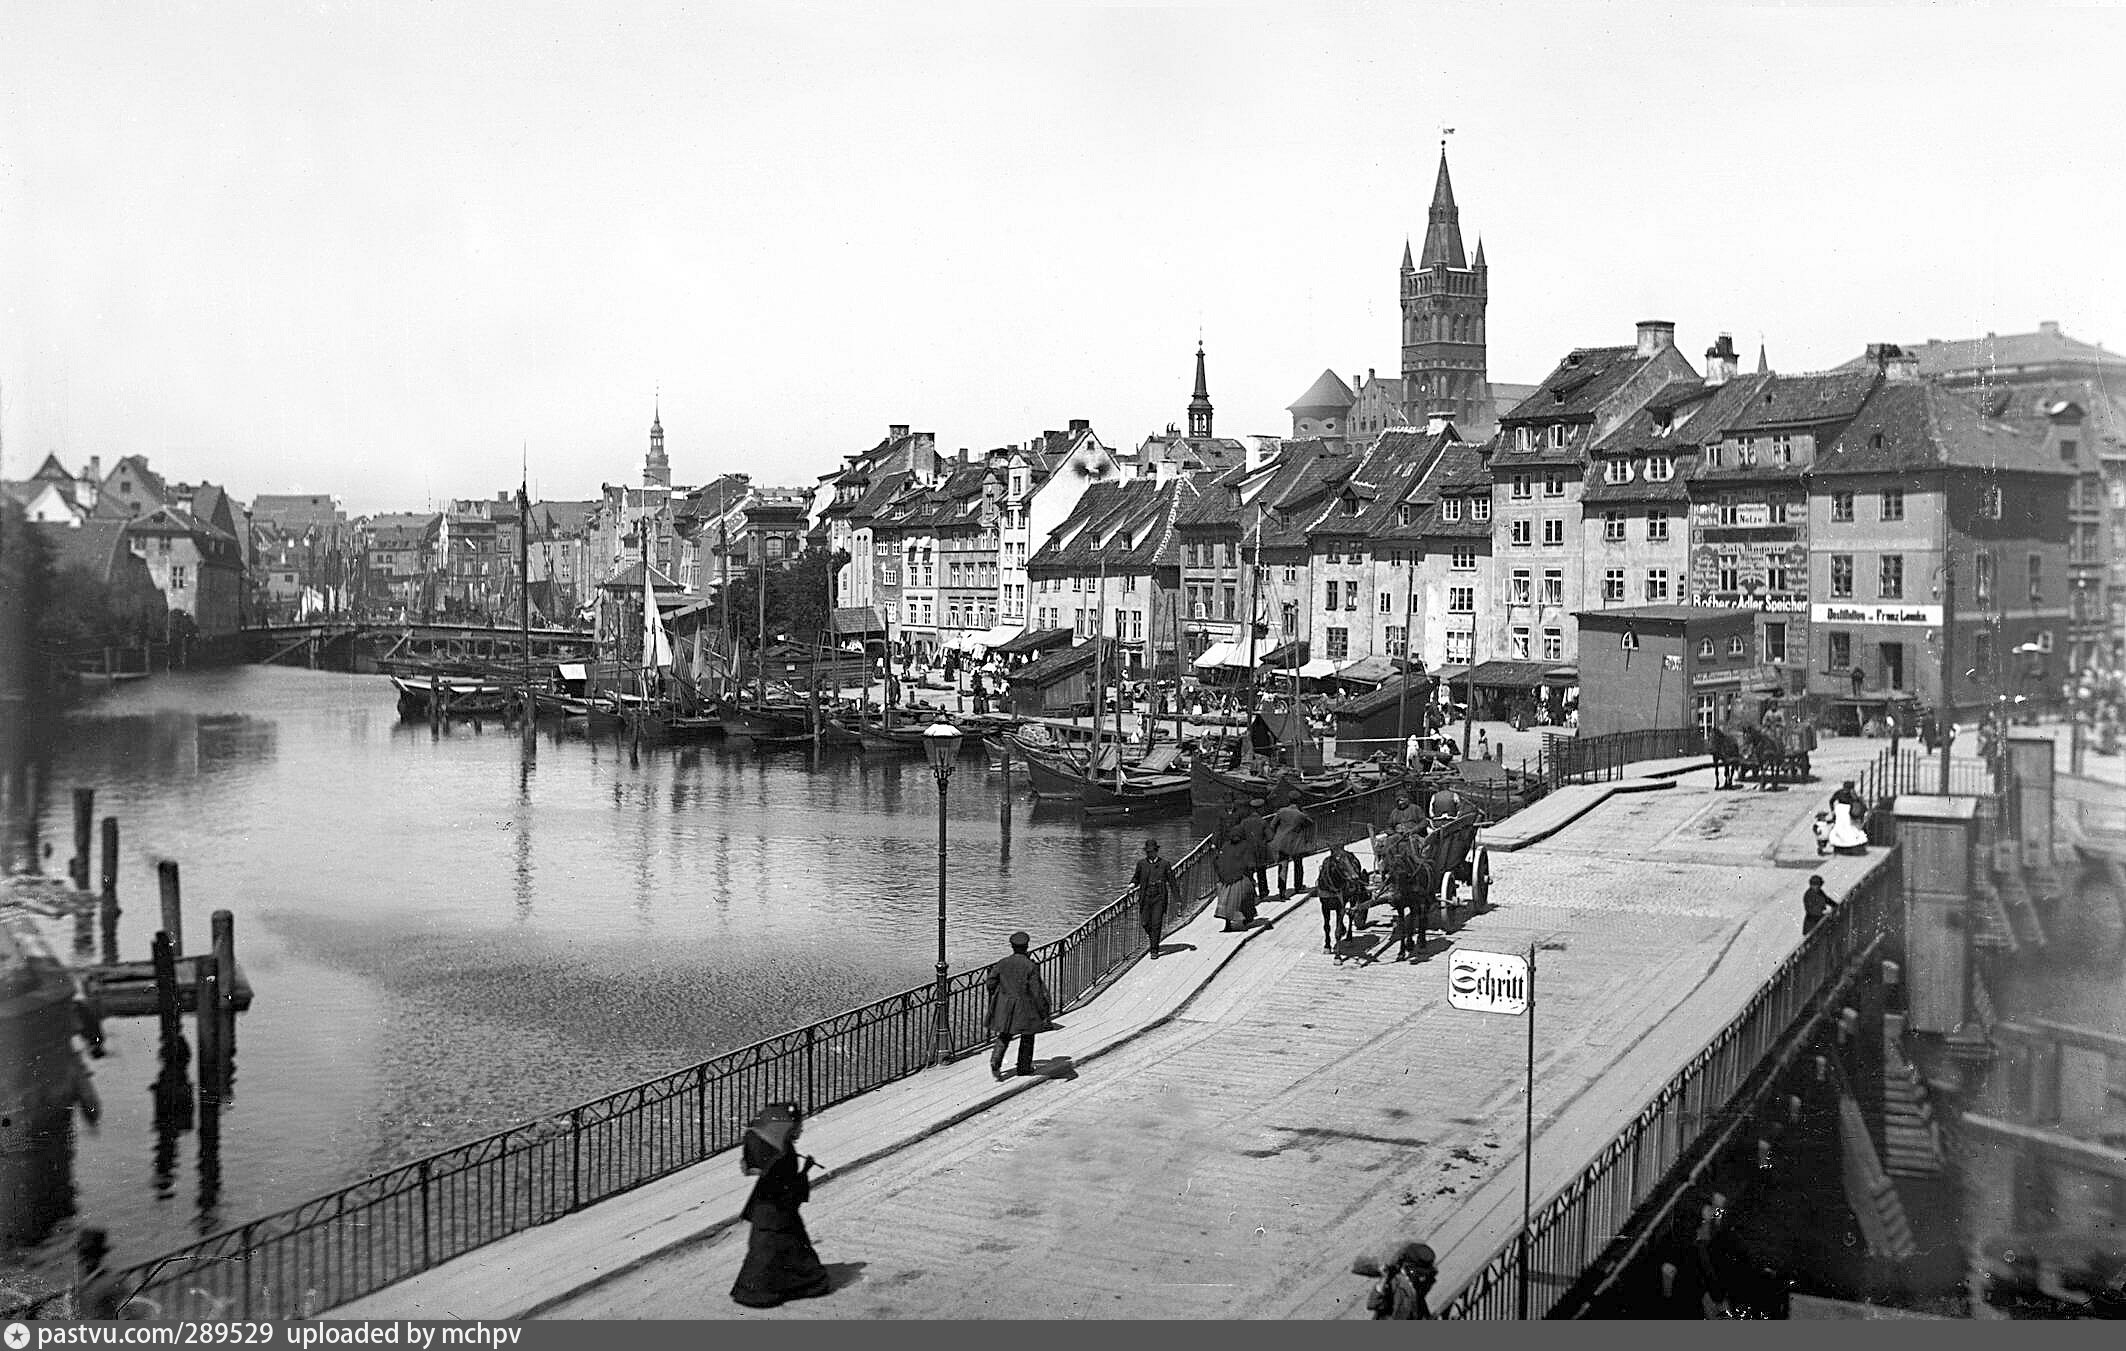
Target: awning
pixel 1562 675
pixel 1511 674
pixel 1321 668
pixel 573 670
pixel 1451 675
pixel 1373 670
pixel 1221 654
pixel 1002 633
pixel 858 619
pixel 1293 653
pixel 1038 640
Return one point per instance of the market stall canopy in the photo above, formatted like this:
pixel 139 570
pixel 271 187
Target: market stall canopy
pixel 1362 706
pixel 1271 729
pixel 1498 675
pixel 1221 654
pixel 1293 653
pixel 1056 665
pixel 1562 675
pixel 992 639
pixel 1451 675
pixel 1373 670
pixel 858 619
pixel 628 577
pixel 1040 640
pixel 1321 668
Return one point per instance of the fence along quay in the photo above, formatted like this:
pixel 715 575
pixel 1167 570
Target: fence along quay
pixel 356 1240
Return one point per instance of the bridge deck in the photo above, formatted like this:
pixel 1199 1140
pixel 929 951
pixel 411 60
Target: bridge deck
pixel 1290 1113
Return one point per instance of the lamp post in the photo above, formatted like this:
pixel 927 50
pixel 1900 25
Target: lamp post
pixel 941 743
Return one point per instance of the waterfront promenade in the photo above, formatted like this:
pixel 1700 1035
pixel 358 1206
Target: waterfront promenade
pixel 1221 1131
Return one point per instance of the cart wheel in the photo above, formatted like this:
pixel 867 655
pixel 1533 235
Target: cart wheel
pixel 1481 898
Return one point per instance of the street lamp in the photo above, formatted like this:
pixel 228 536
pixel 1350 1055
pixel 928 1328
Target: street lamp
pixel 941 743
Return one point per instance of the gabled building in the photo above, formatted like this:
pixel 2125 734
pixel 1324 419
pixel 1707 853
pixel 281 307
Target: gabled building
pixel 1449 536
pixel 1110 570
pixel 860 490
pixel 53 495
pixel 1920 480
pixel 1538 467
pixel 1173 454
pixel 1364 551
pixel 1043 480
pixel 199 567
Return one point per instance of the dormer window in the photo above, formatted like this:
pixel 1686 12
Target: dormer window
pixel 1232 498
pixel 1616 471
pixel 1557 434
pixel 1523 438
pixel 1405 514
pixel 1450 508
pixel 1664 422
pixel 1660 468
pixel 1480 508
pixel 1350 504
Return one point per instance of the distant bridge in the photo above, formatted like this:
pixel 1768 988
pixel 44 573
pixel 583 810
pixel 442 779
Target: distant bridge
pixel 359 645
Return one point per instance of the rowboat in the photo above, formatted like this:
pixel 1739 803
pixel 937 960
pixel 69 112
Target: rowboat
pixel 462 696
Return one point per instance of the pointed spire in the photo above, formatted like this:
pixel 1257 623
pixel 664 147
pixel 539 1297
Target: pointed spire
pixel 1199 407
pixel 1443 224
pixel 1479 263
pixel 1407 265
pixel 1763 367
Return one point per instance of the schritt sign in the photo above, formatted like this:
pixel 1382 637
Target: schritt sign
pixel 1487 982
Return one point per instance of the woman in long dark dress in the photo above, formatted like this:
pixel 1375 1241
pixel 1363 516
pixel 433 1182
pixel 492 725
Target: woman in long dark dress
pixel 780 1262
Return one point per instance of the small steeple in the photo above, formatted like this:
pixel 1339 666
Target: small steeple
pixel 1199 407
pixel 1763 367
pixel 1443 224
pixel 1407 265
pixel 1479 263
pixel 656 470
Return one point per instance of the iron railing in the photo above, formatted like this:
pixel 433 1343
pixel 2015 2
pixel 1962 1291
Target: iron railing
pixel 358 1239
pixel 1572 1230
pixel 1892 775
pixel 1597 759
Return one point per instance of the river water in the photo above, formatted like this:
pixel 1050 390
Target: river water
pixel 448 934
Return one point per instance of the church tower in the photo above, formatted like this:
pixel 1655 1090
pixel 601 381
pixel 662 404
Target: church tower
pixel 1199 407
pixel 1443 300
pixel 656 470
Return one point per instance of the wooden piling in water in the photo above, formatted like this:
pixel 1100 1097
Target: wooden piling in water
pixel 173 917
pixel 207 1016
pixel 224 926
pixel 107 907
pixel 84 824
pixel 166 1007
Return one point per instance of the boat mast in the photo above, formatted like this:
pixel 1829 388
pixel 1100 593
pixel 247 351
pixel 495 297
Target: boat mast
pixel 723 587
pixel 1255 608
pixel 524 587
pixel 1092 760
pixel 760 630
pixel 1177 667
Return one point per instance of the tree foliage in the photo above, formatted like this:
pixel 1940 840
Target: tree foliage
pixel 797 598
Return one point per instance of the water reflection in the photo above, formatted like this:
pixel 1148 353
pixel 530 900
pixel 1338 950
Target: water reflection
pixel 448 931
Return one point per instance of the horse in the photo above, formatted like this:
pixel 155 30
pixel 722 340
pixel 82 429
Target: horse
pixel 1727 757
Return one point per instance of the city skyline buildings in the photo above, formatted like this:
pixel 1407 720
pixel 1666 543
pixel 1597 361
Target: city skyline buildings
pixel 373 253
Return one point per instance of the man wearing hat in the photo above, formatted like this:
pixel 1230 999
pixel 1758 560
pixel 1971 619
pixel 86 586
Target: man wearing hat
pixel 1154 882
pixel 1018 1006
pixel 1405 1279
pixel 1255 827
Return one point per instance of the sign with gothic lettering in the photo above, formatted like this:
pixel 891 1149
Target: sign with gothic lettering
pixel 1487 982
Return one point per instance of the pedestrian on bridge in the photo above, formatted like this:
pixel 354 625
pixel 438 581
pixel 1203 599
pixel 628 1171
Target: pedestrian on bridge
pixel 1236 889
pixel 1018 1006
pixel 1154 881
pixel 1256 827
pixel 1815 904
pixel 1291 832
pixel 780 1264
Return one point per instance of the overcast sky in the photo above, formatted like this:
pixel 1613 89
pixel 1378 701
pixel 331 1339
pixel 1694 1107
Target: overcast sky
pixel 377 249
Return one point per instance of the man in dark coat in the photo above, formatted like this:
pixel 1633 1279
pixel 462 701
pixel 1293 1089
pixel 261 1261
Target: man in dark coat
pixel 1255 827
pixel 1018 1005
pixel 1815 904
pixel 1290 831
pixel 1154 881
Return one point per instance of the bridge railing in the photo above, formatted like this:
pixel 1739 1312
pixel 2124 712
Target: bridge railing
pixel 1568 1233
pixel 1598 759
pixel 358 1239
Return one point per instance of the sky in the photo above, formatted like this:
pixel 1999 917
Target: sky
pixel 389 250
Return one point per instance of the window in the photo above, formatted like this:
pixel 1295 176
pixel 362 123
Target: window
pixel 1460 645
pixel 1288 618
pixel 1841 507
pixel 1450 508
pixel 1519 593
pixel 1893 504
pixel 1714 456
pixel 1553 586
pixel 1782 450
pixel 1775 578
pixel 1982 568
pixel 1775 508
pixel 1656 584
pixel 1463 560
pixel 1076 584
pixel 1612 526
pixel 1332 596
pixel 1330 553
pixel 1989 505
pixel 1553 532
pixel 1657 527
pixel 1557 437
pixel 1291 576
pixel 1350 595
pixel 1616 471
pixel 1339 644
pixel 178 576
pixel 1705 649
pixel 1660 468
pixel 1612 585
pixel 1893 576
pixel 1228 598
pixel 1461 600
pixel 1553 484
pixel 1982 655
pixel 2037 578
pixel 1387 602
pixel 1479 508
pixel 1405 514
pixel 1704 712
pixel 1522 487
pixel 1398 641
pixel 1775 641
pixel 1735 646
pixel 1730 572
pixel 1839 651
pixel 1553 645
pixel 1730 510
pixel 1520 642
pixel 1523 534
pixel 1842 576
pixel 1523 438
pixel 2070 449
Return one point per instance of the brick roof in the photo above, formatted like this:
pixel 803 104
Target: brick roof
pixel 1576 388
pixel 1972 356
pixel 1910 425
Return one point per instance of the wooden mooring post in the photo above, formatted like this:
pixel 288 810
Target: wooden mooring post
pixel 173 917
pixel 84 825
pixel 108 906
pixel 207 1016
pixel 166 1003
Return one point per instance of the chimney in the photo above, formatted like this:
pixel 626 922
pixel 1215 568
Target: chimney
pixel 2049 328
pixel 1050 434
pixel 896 430
pixel 1721 363
pixel 1438 421
pixel 1654 335
pixel 1079 424
pixel 1893 361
